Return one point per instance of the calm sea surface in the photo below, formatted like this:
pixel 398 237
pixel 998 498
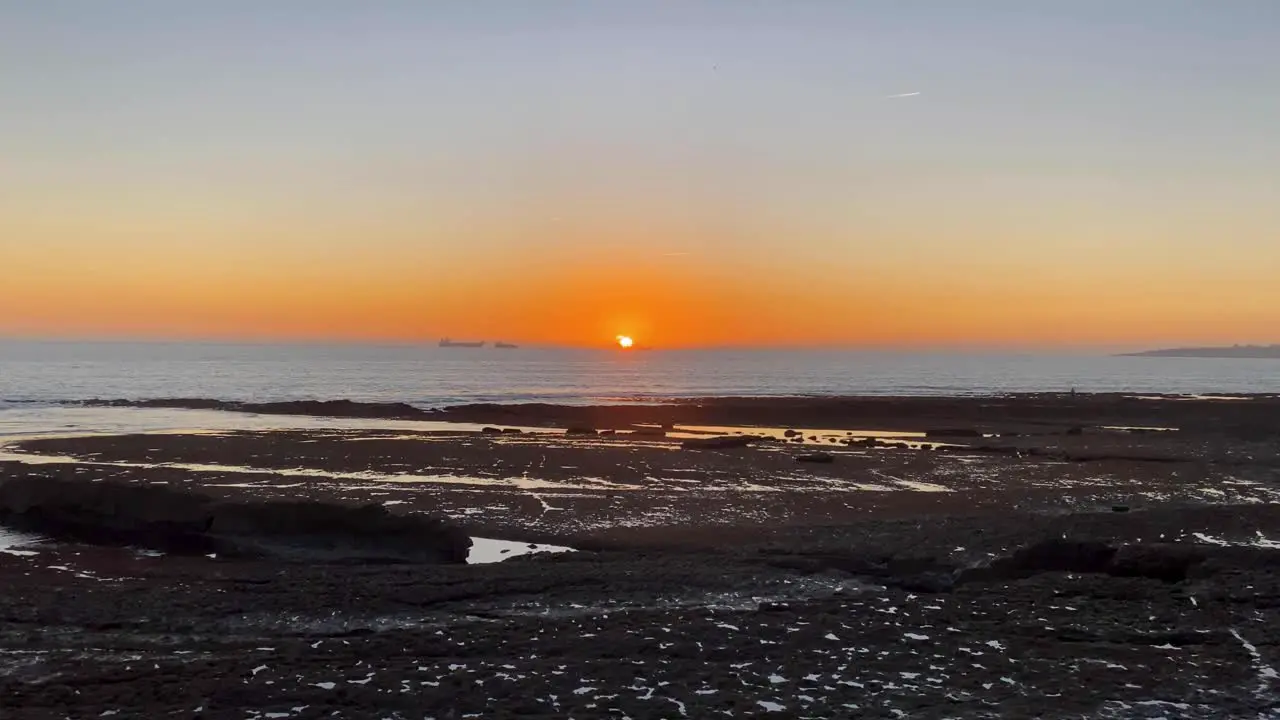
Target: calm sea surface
pixel 45 372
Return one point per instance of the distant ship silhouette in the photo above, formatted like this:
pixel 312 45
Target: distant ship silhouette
pixel 505 346
pixel 446 342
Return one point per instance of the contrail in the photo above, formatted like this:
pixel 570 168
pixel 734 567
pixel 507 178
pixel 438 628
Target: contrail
pixel 902 95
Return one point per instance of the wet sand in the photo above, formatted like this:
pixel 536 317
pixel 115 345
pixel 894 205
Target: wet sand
pixel 727 583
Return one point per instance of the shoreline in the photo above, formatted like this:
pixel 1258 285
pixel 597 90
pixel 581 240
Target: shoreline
pixel 1047 552
pixel 866 411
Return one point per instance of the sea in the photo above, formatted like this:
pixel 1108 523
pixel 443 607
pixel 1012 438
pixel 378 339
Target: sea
pixel 36 373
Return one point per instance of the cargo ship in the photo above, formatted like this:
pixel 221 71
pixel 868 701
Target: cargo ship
pixel 446 342
pixel 505 346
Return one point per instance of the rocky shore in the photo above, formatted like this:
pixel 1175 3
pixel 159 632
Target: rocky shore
pixel 1095 558
pixel 187 523
pixel 1029 412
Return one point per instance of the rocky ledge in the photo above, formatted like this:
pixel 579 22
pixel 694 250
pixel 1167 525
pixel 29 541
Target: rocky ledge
pixel 174 521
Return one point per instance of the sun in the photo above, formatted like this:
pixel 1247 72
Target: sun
pixel 625 341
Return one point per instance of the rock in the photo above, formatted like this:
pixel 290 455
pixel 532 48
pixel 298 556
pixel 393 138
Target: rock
pixel 818 457
pixel 722 442
pixel 580 430
pixel 1158 561
pixel 109 513
pixel 954 433
pixel 649 432
pixel 512 431
pixel 1004 450
pixel 331 532
pixel 1120 508
pixel 813 438
pixel 608 432
pixel 791 433
pixel 1053 555
pixel 172 521
pixel 668 427
pixel 490 430
pixel 1249 433
pixel 322 408
pixel 927 582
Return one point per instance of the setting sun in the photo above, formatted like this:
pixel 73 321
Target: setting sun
pixel 625 342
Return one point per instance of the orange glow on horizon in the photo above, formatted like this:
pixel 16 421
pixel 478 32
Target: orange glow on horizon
pixel 597 171
pixel 563 290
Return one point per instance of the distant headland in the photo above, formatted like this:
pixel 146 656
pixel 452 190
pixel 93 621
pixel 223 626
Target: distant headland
pixel 1270 352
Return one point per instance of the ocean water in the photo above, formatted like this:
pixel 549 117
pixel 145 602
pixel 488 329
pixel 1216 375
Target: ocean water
pixel 428 376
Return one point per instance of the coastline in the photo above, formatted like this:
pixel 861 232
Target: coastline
pixel 835 411
pixel 920 547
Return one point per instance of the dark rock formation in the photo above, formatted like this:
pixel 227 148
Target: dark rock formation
pixel 109 513
pixel 791 433
pixel 719 443
pixel 321 408
pixel 1053 555
pixel 1167 562
pixel 186 523
pixel 580 430
pixel 649 432
pixel 954 433
pixel 490 430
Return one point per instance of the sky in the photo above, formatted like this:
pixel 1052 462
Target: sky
pixel 692 173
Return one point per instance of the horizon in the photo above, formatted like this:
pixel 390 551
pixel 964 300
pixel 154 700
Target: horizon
pixel 1064 177
pixel 604 346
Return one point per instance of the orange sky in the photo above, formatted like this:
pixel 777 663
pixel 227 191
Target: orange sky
pixel 1091 174
pixel 558 292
